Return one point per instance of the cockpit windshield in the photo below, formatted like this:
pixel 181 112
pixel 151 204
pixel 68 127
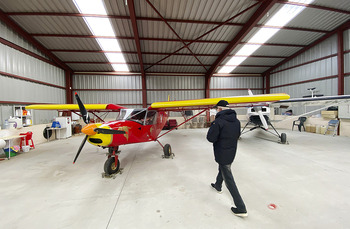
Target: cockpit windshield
pixel 138 115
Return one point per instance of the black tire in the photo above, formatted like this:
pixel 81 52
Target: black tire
pixel 47 133
pixel 110 167
pixel 283 138
pixel 167 150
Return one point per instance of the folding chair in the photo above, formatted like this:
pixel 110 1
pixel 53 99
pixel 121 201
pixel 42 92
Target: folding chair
pixel 332 125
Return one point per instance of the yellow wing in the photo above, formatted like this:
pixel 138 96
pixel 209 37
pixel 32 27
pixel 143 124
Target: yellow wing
pixel 235 101
pixel 75 107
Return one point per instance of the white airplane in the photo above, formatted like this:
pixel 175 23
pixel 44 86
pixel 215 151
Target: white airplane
pixel 258 116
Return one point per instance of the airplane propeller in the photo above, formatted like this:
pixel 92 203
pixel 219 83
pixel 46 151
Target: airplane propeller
pixel 82 109
pixel 86 119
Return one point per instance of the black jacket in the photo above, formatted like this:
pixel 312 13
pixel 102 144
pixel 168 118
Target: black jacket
pixel 224 133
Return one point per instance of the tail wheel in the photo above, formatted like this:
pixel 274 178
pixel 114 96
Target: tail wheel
pixel 110 167
pixel 283 138
pixel 167 150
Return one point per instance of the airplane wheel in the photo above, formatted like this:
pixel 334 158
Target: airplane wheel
pixel 283 138
pixel 167 150
pixel 110 167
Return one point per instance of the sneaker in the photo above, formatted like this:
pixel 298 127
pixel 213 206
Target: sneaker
pixel 216 189
pixel 239 213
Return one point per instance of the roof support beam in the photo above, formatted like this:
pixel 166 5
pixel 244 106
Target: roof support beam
pixel 158 19
pixel 252 22
pixel 177 35
pixel 206 33
pixel 139 52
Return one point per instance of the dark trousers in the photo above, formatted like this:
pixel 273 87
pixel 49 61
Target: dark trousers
pixel 225 174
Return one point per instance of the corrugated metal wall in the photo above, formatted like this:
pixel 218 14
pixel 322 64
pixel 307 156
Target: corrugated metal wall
pixel 291 80
pixel 177 87
pixel 123 90
pixel 115 89
pixel 235 86
pixel 322 68
pixel 20 64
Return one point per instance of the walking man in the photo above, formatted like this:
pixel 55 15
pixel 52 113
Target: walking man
pixel 224 133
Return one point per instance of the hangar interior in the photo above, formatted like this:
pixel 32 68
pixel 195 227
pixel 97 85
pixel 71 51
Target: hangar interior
pixel 137 52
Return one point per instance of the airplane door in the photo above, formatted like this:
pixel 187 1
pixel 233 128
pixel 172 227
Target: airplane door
pixel 150 122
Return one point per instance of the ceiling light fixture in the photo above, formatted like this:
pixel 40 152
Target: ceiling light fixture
pixel 102 27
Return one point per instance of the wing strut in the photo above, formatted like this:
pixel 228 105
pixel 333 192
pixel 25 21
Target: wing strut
pixel 183 123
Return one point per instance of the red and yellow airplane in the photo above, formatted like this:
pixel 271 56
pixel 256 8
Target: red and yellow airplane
pixel 143 125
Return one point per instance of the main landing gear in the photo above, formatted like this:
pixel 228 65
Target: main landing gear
pixel 112 164
pixel 167 151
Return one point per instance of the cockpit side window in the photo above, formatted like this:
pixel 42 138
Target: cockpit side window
pixel 150 118
pixel 138 115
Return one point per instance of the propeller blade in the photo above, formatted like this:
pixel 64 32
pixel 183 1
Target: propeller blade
pixel 82 109
pixel 80 148
pixel 108 131
pixel 263 120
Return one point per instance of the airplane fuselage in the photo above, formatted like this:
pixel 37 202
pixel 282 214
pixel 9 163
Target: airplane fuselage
pixel 139 125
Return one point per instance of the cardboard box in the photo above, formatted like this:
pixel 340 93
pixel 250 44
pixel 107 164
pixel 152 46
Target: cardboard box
pixel 329 114
pixel 313 129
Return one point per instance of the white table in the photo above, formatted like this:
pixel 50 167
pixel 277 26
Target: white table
pixel 9 139
pixel 56 129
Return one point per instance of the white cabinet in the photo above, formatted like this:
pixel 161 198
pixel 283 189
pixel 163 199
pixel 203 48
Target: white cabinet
pixel 26 116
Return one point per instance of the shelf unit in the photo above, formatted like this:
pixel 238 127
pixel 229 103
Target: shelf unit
pixel 27 118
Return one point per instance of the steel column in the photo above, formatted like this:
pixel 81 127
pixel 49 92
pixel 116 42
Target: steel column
pixel 139 52
pixel 340 60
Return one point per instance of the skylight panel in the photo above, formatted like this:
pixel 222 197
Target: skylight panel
pixel 279 19
pixel 90 6
pixel 102 27
pixel 115 57
pixel 263 35
pixel 236 60
pixel 109 44
pixel 247 49
pixel 226 69
pixel 120 67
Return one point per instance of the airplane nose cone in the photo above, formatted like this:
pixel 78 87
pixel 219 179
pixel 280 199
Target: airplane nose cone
pixel 89 129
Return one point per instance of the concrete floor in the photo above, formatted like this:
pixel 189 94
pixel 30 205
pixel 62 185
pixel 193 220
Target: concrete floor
pixel 307 180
